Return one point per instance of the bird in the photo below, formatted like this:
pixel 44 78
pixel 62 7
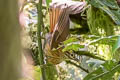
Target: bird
pixel 59 29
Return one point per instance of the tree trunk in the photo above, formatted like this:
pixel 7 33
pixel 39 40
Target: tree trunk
pixel 9 40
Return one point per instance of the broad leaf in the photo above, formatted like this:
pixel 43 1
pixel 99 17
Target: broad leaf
pixel 107 6
pixel 71 39
pixel 72 46
pixel 93 74
pixel 108 69
pixel 48 2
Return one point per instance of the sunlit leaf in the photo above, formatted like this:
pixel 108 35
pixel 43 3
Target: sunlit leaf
pixel 74 47
pixel 72 39
pixel 48 2
pixel 37 72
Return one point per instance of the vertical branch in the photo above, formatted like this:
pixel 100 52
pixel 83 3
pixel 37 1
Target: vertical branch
pixel 39 8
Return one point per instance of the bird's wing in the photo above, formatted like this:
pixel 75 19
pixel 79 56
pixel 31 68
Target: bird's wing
pixel 59 19
pixel 61 27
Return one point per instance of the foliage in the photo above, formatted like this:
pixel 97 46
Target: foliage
pixel 72 44
pixel 105 72
pixel 100 19
pixel 37 72
pixel 48 2
pixel 99 43
pixel 107 6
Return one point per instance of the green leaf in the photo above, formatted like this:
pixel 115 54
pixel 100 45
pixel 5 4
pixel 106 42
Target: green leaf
pixel 48 2
pixel 70 40
pixel 74 47
pixel 117 45
pixel 37 73
pixel 93 74
pixel 108 65
pixel 108 69
pixel 110 7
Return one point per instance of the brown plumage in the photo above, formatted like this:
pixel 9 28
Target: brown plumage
pixel 59 28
